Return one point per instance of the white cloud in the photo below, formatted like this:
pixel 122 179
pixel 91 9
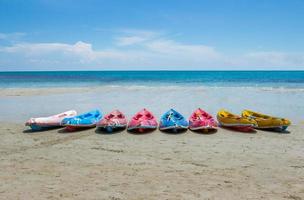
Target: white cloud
pixel 134 37
pixel 129 40
pixel 76 55
pixel 140 32
pixel 11 36
pixel 276 58
pixel 169 47
pixel 136 49
pixel 82 49
pixel 151 48
pixel 2 36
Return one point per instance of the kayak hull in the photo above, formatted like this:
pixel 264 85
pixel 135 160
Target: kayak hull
pixel 142 129
pixel 173 121
pixel 45 123
pixel 142 122
pixel 201 120
pixel 113 121
pixel 174 129
pixel 232 121
pixel 267 122
pixel 238 127
pixel 78 127
pixel 111 129
pixel 83 121
pixel 42 128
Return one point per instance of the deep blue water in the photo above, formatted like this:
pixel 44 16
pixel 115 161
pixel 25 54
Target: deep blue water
pixel 289 79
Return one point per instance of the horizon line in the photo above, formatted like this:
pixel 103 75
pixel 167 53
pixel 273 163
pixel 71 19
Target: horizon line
pixel 160 70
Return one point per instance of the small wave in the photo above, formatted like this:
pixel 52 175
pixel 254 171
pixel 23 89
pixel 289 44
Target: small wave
pixel 189 87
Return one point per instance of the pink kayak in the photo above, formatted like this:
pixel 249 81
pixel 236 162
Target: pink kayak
pixel 41 123
pixel 142 121
pixel 115 120
pixel 201 120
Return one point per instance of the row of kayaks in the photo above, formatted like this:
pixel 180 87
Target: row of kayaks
pixel 171 121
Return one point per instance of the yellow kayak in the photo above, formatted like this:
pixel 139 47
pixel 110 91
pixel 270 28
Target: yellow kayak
pixel 265 121
pixel 228 119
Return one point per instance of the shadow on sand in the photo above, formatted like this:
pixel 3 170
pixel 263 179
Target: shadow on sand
pixel 142 131
pixel 104 131
pixel 65 130
pixel 42 130
pixel 205 131
pixel 174 131
pixel 277 131
pixel 251 131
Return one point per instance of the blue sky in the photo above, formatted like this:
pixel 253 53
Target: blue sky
pixel 151 35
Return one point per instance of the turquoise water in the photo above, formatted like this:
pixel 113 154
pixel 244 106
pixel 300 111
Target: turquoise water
pixel 278 93
pixel 284 79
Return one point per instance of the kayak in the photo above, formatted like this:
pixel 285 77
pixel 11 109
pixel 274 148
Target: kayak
pixel 43 123
pixel 173 121
pixel 201 120
pixel 267 122
pixel 143 121
pixel 85 120
pixel 113 121
pixel 227 119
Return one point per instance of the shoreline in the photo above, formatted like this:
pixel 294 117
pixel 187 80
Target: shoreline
pixel 18 105
pixel 32 91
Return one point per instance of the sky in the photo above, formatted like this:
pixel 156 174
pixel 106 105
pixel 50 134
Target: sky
pixel 151 35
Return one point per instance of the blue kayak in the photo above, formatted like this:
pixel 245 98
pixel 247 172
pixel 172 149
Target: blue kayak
pixel 84 120
pixel 173 121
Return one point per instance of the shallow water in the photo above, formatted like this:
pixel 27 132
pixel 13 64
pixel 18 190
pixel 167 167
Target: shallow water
pixel 158 99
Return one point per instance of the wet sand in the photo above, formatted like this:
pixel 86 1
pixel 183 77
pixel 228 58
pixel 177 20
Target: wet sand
pixel 89 165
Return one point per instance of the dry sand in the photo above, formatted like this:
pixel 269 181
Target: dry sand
pixel 87 165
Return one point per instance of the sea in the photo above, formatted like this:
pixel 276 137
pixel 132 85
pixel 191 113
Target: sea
pixel 269 79
pixel 278 93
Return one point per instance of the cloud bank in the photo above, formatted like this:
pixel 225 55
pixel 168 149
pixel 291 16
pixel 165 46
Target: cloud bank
pixel 135 49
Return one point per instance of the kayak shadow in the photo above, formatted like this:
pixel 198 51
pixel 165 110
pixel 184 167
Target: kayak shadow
pixel 40 131
pixel 277 131
pixel 66 131
pixel 174 131
pixel 205 132
pixel 141 132
pixel 252 131
pixel 104 131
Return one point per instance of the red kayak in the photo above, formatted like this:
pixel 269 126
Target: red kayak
pixel 201 120
pixel 143 121
pixel 115 120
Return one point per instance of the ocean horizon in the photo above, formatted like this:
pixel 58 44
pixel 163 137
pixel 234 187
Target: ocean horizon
pixel 208 78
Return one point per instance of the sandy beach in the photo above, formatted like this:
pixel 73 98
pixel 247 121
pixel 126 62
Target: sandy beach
pixel 88 165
